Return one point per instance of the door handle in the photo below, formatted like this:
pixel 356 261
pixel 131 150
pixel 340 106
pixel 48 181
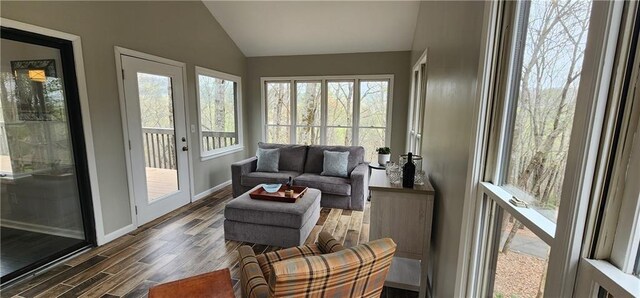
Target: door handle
pixel 185 148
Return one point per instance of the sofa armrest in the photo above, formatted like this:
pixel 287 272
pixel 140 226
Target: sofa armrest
pixel 252 281
pixel 359 186
pixel 336 274
pixel 240 168
pixel 328 244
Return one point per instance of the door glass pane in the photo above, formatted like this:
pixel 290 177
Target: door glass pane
pixel 217 112
pixel 308 135
pixel 373 103
pixel 339 136
pixel 278 134
pixel 158 134
pixel 39 197
pixel 522 260
pixel 371 139
pixel 553 51
pixel 340 103
pixel 278 103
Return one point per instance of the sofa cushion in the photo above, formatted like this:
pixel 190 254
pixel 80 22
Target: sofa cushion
pixel 254 178
pixel 292 215
pixel 335 164
pixel 315 157
pixel 292 157
pixel 268 160
pixel 326 184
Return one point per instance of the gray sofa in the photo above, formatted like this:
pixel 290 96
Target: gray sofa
pixel 304 164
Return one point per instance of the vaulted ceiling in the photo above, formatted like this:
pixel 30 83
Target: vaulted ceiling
pixel 275 28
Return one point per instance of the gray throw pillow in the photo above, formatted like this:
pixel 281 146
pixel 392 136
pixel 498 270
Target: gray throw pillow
pixel 335 164
pixel 268 160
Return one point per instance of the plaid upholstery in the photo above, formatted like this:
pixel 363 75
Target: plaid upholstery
pixel 354 272
pixel 327 244
pixel 252 280
pixel 267 259
pixel 305 271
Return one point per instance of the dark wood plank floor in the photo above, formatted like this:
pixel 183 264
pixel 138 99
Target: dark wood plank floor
pixel 185 242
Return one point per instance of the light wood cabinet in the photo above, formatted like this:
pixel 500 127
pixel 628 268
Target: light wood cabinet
pixel 404 215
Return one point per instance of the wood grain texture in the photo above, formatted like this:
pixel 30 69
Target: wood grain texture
pixel 186 242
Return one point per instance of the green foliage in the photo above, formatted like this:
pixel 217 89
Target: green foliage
pixel 384 150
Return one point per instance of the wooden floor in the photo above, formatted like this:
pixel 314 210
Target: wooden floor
pixel 183 243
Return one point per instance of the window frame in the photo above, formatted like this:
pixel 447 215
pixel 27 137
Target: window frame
pixel 323 126
pixel 486 165
pixel 215 153
pixel 264 113
pixel 417 102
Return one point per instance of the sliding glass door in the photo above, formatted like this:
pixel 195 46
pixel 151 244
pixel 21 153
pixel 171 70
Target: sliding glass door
pixel 45 210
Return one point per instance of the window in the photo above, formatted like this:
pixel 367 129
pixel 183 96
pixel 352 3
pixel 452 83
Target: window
pixel 373 115
pixel 417 104
pixel 308 107
pixel 278 112
pixel 549 68
pixel 543 78
pixel 340 112
pixel 345 110
pixel 535 80
pixel 219 105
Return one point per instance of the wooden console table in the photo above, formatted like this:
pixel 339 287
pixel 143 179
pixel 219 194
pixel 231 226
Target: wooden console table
pixel 404 215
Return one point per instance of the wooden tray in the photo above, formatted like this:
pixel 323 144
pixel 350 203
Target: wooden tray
pixel 261 194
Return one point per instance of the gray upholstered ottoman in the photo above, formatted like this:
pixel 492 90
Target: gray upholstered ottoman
pixel 271 223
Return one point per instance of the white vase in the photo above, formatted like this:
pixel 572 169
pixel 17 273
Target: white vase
pixel 383 159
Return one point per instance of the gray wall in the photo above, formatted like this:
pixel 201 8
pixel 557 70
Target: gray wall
pixel 182 31
pixel 396 63
pixel 451 31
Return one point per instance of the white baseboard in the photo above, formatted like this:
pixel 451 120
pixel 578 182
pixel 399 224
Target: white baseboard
pixel 211 190
pixel 116 234
pixel 36 228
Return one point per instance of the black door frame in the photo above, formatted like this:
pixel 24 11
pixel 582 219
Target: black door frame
pixel 74 116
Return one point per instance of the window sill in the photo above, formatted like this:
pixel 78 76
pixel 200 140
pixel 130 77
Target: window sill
pixel 221 152
pixel 612 279
pixel 539 225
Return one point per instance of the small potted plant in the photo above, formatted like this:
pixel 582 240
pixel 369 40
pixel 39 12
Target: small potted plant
pixel 384 155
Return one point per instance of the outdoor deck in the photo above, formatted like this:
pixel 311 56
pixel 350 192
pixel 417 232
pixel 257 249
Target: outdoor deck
pixel 161 182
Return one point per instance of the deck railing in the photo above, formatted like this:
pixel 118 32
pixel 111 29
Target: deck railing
pixel 213 140
pixel 159 145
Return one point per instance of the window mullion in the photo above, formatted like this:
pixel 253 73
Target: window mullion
pixel 293 100
pixel 323 113
pixel 356 113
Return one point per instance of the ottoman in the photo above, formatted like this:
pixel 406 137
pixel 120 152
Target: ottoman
pixel 271 223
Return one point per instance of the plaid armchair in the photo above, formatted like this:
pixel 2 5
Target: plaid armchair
pixel 323 269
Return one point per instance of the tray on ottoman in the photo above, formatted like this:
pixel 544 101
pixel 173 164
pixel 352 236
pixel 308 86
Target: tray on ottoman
pixel 279 196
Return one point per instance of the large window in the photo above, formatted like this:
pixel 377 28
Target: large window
pixel 544 72
pixel 349 110
pixel 219 105
pixel 538 142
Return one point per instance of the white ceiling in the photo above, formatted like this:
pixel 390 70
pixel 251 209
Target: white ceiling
pixel 275 28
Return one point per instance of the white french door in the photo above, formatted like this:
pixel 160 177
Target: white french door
pixel 156 125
